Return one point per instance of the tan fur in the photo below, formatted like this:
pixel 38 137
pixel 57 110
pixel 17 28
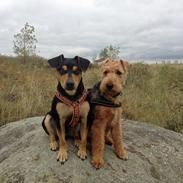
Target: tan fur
pixel 74 68
pixel 107 121
pixel 63 80
pixel 64 112
pixel 64 67
pixel 76 80
pixel 52 132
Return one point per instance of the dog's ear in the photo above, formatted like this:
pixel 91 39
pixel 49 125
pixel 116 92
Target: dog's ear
pixel 56 62
pixel 125 65
pixel 82 62
pixel 103 62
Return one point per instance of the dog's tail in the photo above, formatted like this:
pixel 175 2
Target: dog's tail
pixel 43 123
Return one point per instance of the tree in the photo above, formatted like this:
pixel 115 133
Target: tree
pixel 110 51
pixel 25 42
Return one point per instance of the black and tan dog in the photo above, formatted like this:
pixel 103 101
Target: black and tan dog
pixel 69 106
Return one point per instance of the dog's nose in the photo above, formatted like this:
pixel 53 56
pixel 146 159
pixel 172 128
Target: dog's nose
pixel 70 86
pixel 109 86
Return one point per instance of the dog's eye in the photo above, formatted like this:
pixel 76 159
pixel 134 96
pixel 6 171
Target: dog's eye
pixel 77 72
pixel 118 72
pixel 62 71
pixel 106 72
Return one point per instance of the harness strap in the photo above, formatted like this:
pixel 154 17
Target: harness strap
pixel 74 104
pixel 105 103
pixel 100 100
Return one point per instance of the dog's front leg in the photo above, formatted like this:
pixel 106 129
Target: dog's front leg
pixel 83 132
pixel 98 142
pixel 117 137
pixel 62 154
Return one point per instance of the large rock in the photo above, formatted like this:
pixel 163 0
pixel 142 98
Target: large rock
pixel 155 155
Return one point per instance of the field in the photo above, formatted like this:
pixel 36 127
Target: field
pixel 153 94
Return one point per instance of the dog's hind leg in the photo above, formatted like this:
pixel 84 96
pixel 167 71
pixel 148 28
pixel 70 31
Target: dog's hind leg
pixel 48 125
pixel 108 137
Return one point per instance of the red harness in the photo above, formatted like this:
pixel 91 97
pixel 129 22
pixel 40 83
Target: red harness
pixel 75 105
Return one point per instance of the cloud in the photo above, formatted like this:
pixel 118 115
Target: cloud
pixel 141 28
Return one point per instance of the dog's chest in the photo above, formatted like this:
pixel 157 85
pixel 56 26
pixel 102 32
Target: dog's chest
pixel 116 117
pixel 65 111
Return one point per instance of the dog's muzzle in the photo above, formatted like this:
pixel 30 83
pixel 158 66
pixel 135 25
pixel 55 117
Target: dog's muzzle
pixel 69 85
pixel 109 86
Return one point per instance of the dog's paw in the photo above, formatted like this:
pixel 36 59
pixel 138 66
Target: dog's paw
pixel 122 155
pixel 97 162
pixel 53 146
pixel 62 156
pixel 77 142
pixel 82 154
pixel 108 141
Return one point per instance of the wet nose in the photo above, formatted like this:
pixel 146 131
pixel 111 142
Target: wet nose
pixel 109 86
pixel 70 85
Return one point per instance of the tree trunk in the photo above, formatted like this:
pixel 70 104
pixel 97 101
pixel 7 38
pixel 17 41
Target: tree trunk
pixel 24 59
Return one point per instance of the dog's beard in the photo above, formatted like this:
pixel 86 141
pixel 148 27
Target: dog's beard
pixel 110 93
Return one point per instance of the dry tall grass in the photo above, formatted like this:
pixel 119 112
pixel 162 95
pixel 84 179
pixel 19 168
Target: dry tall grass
pixel 153 94
pixel 26 90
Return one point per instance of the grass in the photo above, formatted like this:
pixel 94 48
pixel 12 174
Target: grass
pixel 153 94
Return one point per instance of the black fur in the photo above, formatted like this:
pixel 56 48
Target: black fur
pixel 43 125
pixel 83 63
pixel 95 97
pixel 59 61
pixel 56 62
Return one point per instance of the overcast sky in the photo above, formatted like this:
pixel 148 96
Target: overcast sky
pixel 141 28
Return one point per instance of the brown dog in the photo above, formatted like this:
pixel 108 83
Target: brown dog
pixel 69 106
pixel 106 110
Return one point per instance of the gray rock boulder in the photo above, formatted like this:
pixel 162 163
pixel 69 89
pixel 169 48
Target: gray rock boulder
pixel 155 156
